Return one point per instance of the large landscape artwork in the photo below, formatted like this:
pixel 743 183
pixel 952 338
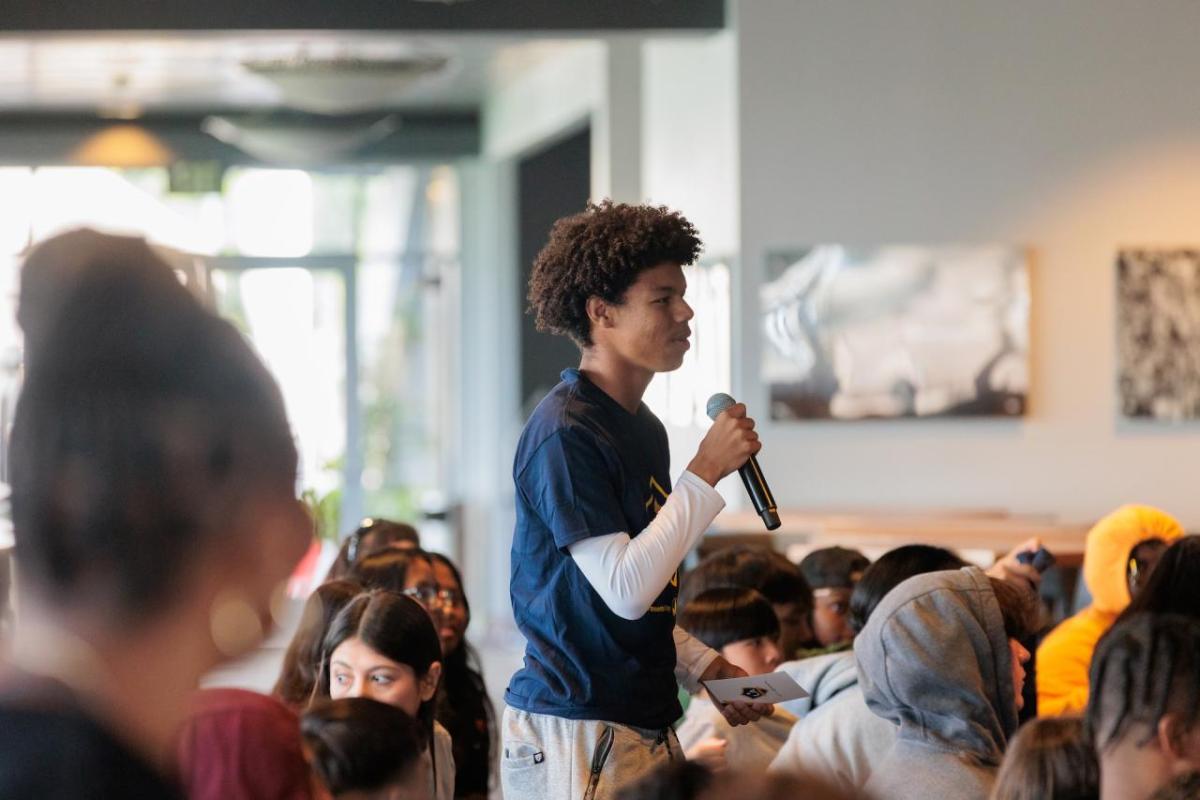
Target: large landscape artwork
pixel 896 331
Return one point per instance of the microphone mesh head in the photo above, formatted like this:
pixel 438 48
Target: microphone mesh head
pixel 718 403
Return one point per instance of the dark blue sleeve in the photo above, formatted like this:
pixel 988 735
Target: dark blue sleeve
pixel 572 488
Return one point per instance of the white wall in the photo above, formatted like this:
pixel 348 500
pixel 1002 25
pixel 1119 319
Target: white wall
pixel 690 162
pixel 689 134
pixel 1070 127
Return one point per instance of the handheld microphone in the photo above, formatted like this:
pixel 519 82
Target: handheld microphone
pixel 752 476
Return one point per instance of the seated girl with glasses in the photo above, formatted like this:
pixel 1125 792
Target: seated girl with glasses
pixel 464 707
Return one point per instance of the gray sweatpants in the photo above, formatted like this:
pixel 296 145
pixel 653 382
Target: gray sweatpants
pixel 553 758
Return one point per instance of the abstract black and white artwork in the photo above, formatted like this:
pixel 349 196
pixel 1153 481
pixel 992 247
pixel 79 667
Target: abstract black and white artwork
pixel 1158 333
pixel 896 331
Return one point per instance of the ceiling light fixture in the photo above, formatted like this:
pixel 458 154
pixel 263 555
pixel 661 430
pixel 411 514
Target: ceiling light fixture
pixel 345 85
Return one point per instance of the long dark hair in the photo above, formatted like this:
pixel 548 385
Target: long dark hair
pixel 396 627
pixel 302 661
pixel 464 698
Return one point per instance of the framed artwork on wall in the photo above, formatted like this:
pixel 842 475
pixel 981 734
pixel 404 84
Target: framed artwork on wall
pixel 1158 333
pixel 896 331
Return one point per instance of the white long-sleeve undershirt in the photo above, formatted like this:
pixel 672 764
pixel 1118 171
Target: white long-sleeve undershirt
pixel 630 573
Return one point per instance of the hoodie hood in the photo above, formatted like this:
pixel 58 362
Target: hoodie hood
pixel 1109 543
pixel 935 660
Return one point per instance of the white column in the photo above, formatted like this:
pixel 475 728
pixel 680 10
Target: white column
pixel 617 124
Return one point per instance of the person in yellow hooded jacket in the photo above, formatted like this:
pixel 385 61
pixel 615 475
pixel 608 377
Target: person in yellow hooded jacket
pixel 1121 550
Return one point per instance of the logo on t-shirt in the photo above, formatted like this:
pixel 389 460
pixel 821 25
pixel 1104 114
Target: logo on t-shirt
pixel 658 496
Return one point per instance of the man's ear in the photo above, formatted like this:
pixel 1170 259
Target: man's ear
pixel 599 312
pixel 1174 738
pixel 429 682
pixel 1178 741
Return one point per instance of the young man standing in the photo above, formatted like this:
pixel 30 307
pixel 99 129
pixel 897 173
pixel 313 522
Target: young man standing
pixel 600 534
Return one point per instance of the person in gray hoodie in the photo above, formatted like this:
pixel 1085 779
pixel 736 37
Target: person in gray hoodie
pixel 838 738
pixel 940 658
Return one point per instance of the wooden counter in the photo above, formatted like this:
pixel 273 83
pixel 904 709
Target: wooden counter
pixel 876 531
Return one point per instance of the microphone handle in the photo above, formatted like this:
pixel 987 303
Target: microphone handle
pixel 760 493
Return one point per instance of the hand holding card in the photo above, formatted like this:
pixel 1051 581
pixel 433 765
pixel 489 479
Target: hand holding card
pixel 774 687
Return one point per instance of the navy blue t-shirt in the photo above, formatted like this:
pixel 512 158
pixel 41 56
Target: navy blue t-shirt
pixel 587 467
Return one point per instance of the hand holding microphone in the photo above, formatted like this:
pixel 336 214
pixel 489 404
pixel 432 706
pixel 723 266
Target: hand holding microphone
pixel 729 445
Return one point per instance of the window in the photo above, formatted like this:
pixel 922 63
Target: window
pixel 338 277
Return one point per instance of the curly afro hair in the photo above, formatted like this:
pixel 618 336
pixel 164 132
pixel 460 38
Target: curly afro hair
pixel 601 252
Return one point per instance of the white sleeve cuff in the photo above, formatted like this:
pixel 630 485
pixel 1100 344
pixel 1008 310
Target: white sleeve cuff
pixel 692 658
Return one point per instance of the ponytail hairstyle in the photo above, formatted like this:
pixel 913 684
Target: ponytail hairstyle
pixel 302 661
pixel 729 614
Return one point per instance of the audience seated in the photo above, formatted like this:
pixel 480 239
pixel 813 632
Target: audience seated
pixel 383 646
pixel 769 574
pixel 1120 552
pixel 940 657
pixel 373 536
pixel 1049 759
pixel 240 745
pixel 362 749
pixel 463 705
pixel 832 572
pixel 840 739
pixel 153 501
pixel 741 625
pixel 1143 714
pixel 298 675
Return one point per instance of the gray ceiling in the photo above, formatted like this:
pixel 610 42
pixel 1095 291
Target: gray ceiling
pixel 183 72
